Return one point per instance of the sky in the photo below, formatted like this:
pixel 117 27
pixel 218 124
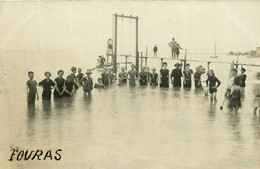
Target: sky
pixel 86 26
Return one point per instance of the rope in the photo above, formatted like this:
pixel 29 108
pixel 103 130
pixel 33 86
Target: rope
pixel 121 35
pixel 130 34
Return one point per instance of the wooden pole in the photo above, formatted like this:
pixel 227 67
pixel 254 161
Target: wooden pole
pixel 115 54
pixel 185 59
pixel 126 62
pixel 136 47
pixel 208 66
pixel 146 62
pixel 161 62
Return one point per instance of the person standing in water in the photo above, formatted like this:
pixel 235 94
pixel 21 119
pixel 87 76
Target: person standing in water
pixel 153 78
pixel 47 84
pixel 213 84
pixel 172 45
pixel 197 75
pixel 105 77
pixel 31 89
pixel 99 84
pixel 143 77
pixel 176 75
pixel 74 77
pixel 155 49
pixel 243 77
pixel 59 87
pixel 164 76
pixel 256 91
pixel 203 79
pixel 87 83
pixel 79 76
pixel 235 93
pixel 122 76
pixel 233 75
pixel 133 75
pixel 187 76
pixel 69 86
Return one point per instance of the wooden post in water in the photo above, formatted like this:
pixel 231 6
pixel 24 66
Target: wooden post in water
pixel 136 47
pixel 126 62
pixel 161 61
pixel 115 54
pixel 185 59
pixel 208 67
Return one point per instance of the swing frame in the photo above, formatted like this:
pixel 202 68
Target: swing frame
pixel 116 16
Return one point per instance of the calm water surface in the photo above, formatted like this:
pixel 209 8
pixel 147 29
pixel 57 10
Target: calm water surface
pixel 126 128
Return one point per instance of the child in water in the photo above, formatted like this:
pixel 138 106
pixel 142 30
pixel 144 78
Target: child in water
pixel 235 93
pixel 122 76
pixel 80 76
pixel 213 83
pixel 59 87
pixel 69 86
pixel 203 79
pixel 47 84
pixel 99 84
pixel 153 78
pixel 31 89
pixel 197 75
pixel 74 77
pixel 87 83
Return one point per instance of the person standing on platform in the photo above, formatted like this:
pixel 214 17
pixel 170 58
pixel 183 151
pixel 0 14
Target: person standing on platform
pixel 187 76
pixel 177 50
pixel 172 45
pixel 155 49
pixel 176 75
pixel 110 46
pixel 164 76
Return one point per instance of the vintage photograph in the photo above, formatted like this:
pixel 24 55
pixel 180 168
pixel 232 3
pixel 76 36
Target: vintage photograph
pixel 130 84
